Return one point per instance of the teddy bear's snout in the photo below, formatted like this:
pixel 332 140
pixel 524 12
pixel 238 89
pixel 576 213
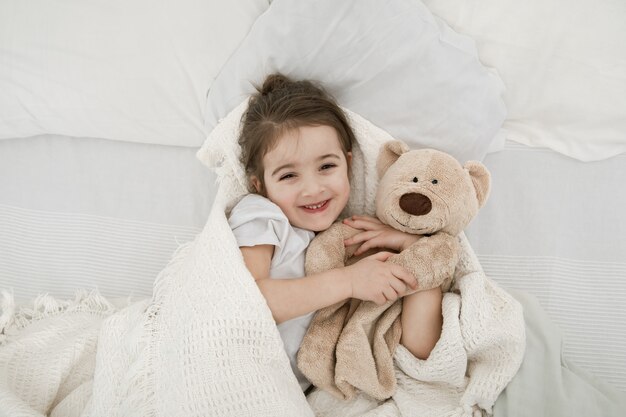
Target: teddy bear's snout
pixel 415 204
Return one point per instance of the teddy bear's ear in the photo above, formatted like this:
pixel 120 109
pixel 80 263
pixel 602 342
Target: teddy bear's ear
pixel 389 153
pixel 481 179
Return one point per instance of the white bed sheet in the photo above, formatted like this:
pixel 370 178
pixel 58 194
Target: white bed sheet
pixel 555 227
pixel 90 213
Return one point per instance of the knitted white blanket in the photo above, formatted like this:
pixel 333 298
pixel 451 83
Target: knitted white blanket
pixel 206 343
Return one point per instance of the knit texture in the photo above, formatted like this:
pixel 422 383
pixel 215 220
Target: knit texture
pixel 47 354
pixel 206 343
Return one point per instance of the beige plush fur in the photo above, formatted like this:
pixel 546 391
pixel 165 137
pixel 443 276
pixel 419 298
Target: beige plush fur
pixel 349 346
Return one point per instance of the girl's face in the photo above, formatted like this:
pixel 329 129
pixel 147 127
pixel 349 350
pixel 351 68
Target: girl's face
pixel 306 175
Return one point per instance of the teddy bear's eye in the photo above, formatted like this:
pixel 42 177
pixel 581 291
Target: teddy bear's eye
pixel 434 181
pixel 414 179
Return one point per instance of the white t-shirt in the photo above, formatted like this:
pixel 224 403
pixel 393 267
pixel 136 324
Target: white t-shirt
pixel 255 220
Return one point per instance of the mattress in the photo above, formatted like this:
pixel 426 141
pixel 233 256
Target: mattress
pixel 554 227
pixel 95 214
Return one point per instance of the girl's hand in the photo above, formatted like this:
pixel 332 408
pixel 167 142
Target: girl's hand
pixel 376 234
pixel 372 279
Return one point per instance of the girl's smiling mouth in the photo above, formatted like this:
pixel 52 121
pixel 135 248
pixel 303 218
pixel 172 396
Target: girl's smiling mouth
pixel 317 207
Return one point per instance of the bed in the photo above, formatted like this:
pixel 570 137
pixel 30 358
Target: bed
pixel 104 106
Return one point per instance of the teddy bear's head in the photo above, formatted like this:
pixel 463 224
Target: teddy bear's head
pixel 427 191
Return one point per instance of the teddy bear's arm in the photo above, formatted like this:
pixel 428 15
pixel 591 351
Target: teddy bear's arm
pixel 327 250
pixel 431 260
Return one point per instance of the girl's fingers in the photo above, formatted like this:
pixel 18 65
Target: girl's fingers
pixel 367 246
pixel 363 224
pixel 381 256
pixel 405 276
pixel 380 299
pixel 390 294
pixel 360 237
pixel 378 240
pixel 399 286
pixel 366 218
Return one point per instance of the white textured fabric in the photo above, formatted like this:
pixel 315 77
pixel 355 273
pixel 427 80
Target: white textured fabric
pixel 392 62
pixel 554 227
pixel 206 343
pixel 125 70
pixel 255 220
pixel 47 354
pixel 564 66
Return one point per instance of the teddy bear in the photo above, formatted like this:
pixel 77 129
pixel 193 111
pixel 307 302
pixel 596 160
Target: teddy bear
pixel 349 346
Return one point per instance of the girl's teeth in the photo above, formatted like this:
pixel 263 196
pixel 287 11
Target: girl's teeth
pixel 315 206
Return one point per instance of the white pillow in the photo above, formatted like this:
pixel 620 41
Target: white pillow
pixel 134 70
pixel 564 66
pixel 392 62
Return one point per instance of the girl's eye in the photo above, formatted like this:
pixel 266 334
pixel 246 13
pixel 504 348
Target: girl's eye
pixel 286 177
pixel 328 166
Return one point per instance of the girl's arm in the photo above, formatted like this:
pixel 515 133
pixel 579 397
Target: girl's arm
pixel 369 279
pixel 289 298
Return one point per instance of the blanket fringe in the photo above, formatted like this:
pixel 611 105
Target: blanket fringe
pixel 45 306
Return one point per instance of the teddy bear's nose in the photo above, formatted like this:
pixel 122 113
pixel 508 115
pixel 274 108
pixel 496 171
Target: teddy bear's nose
pixel 415 204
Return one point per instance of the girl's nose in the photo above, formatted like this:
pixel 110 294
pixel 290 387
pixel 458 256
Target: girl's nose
pixel 312 187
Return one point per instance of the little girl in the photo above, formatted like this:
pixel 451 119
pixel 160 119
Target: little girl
pixel 296 148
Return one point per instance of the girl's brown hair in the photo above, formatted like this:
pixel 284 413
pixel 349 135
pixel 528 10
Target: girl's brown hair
pixel 281 105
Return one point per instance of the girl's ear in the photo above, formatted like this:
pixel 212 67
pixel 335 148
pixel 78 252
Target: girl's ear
pixel 349 159
pixel 256 183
